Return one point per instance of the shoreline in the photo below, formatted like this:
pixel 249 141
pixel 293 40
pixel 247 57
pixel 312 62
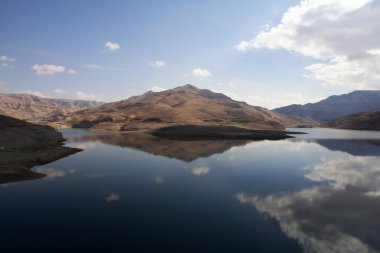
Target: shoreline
pixel 196 132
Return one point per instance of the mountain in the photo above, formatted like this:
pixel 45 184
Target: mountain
pixel 186 105
pixel 360 121
pixel 335 107
pixel 34 108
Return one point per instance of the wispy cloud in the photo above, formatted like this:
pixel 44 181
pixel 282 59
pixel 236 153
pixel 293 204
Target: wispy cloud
pixel 59 91
pixel 30 92
pixel 157 64
pixel 71 71
pixel 98 67
pixel 51 69
pixel 84 96
pixel 5 61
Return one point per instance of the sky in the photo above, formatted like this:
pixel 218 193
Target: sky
pixel 267 53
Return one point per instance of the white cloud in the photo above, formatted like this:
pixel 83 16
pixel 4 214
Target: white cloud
pixel 31 92
pixel 5 61
pixel 6 58
pixel 59 91
pixel 157 89
pixel 71 71
pixel 157 64
pixel 84 96
pixel 198 171
pixel 111 197
pixel 199 72
pixel 50 69
pixel 112 46
pixel 344 34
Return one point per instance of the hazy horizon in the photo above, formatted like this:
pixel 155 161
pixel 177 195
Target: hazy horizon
pixel 269 54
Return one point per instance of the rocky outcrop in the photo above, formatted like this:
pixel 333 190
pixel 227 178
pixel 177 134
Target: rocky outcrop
pixel 24 145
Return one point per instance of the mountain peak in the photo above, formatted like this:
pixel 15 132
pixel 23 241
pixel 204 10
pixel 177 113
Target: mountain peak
pixel 188 87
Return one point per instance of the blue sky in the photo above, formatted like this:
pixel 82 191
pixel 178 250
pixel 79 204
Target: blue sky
pixel 58 48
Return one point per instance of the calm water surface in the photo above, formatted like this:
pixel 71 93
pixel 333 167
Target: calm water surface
pixel 319 192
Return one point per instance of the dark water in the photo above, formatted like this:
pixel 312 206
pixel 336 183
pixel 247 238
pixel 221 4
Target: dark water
pixel 134 193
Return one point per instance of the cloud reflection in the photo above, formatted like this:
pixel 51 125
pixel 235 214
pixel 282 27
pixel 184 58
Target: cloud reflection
pixel 158 180
pixel 53 173
pixel 198 171
pixel 112 197
pixel 339 216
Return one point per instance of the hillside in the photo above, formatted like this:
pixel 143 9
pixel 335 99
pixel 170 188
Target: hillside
pixel 361 121
pixel 186 105
pixel 335 107
pixel 34 108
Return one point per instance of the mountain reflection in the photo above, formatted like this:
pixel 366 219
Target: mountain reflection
pixel 182 150
pixel 353 147
pixel 342 215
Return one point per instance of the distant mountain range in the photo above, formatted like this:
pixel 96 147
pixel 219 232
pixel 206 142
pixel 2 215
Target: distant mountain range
pixel 182 105
pixel 189 105
pixel 335 107
pixel 34 108
pixel 360 121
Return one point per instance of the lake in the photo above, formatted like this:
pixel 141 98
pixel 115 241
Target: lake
pixel 318 192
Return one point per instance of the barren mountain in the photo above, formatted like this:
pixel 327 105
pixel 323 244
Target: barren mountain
pixel 186 105
pixel 361 121
pixel 34 108
pixel 335 107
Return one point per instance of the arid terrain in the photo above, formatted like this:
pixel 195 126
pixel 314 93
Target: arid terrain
pixel 360 121
pixel 336 106
pixel 36 109
pixel 184 105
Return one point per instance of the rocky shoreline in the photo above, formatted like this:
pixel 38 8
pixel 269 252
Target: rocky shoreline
pixel 24 145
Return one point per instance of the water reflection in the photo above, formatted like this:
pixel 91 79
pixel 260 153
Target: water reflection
pixel 182 150
pixel 341 215
pixel 353 147
pixel 322 194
